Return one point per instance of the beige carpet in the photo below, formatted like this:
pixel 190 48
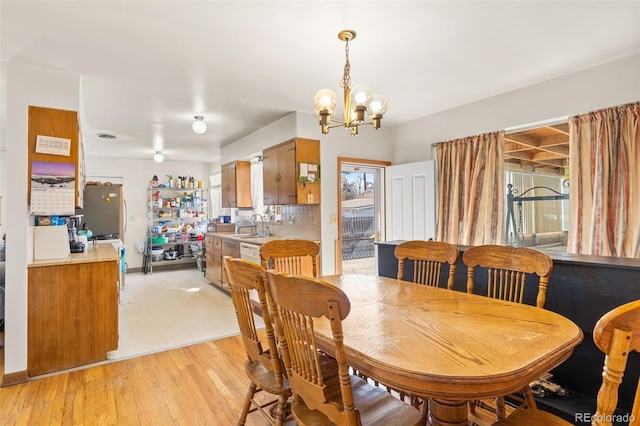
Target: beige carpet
pixel 169 309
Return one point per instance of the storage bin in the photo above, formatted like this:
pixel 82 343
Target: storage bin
pixel 159 240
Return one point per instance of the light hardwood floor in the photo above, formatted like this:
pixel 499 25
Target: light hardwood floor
pixel 201 384
pixel 198 384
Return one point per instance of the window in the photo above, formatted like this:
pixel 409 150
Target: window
pixel 537 158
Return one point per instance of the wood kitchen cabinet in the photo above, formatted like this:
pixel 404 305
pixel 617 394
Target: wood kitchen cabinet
pixel 216 248
pixel 72 317
pixel 229 248
pixel 236 184
pixel 281 172
pixel 56 123
pixel 213 252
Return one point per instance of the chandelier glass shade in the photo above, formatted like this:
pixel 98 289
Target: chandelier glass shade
pixel 158 157
pixel 356 101
pixel 199 126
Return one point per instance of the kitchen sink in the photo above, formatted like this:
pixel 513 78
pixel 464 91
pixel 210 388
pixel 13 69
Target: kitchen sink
pixel 246 235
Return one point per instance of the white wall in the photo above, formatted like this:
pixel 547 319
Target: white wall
pixel 611 84
pixel 136 176
pixel 3 149
pixel 279 131
pixel 38 87
pixel 3 189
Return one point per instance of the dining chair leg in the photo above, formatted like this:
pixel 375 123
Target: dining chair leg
pixel 424 416
pixel 247 404
pixel 281 410
pixel 528 397
pixel 500 409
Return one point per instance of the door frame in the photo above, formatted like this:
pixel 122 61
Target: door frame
pixel 364 163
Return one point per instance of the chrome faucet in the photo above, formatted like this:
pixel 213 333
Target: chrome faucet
pixel 251 219
pixel 241 225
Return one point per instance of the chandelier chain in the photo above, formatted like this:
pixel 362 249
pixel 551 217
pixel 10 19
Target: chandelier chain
pixel 346 77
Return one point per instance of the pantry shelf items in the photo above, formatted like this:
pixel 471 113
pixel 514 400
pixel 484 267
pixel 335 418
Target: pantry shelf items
pixel 176 226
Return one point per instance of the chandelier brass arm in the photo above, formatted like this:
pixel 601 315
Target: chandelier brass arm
pixel 356 101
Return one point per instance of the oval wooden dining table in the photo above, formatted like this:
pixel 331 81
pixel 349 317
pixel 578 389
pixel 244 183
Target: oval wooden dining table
pixel 444 345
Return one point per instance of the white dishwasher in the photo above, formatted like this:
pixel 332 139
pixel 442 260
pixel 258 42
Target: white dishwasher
pixel 250 252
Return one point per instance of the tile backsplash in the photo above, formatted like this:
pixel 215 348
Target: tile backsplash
pixel 296 221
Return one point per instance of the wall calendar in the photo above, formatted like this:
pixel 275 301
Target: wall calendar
pixel 52 188
pixel 53 145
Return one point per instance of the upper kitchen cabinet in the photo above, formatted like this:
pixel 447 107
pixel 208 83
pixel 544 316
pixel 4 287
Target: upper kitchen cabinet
pixel 236 184
pixel 291 172
pixel 54 144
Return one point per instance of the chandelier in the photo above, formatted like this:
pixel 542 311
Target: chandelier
pixel 357 100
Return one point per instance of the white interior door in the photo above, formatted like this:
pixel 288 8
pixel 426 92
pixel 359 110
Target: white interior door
pixel 411 201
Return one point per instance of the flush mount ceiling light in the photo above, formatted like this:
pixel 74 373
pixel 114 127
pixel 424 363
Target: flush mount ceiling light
pixel 199 126
pixel 158 157
pixel 356 100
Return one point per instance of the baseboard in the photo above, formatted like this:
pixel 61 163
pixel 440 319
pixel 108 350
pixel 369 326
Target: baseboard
pixel 14 378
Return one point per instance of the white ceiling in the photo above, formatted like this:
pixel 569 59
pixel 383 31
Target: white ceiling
pixel 147 67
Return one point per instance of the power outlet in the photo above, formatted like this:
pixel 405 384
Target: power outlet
pixel 333 218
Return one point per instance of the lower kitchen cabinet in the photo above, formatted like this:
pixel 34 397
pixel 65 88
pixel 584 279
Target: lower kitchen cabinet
pixel 216 248
pixel 213 253
pixel 229 248
pixel 72 314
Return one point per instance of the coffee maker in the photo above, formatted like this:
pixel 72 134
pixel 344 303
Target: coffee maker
pixel 75 222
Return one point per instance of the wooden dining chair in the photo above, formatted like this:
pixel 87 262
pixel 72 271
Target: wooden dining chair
pixel 263 366
pixel 320 400
pixel 428 258
pixel 617 334
pixel 297 257
pixel 507 270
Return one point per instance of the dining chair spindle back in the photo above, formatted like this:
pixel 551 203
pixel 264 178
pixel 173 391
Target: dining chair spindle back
pixel 263 366
pixel 428 258
pixel 296 257
pixel 508 268
pixel 341 399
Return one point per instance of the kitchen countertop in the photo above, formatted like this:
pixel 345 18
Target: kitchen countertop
pixel 250 240
pixel 99 253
